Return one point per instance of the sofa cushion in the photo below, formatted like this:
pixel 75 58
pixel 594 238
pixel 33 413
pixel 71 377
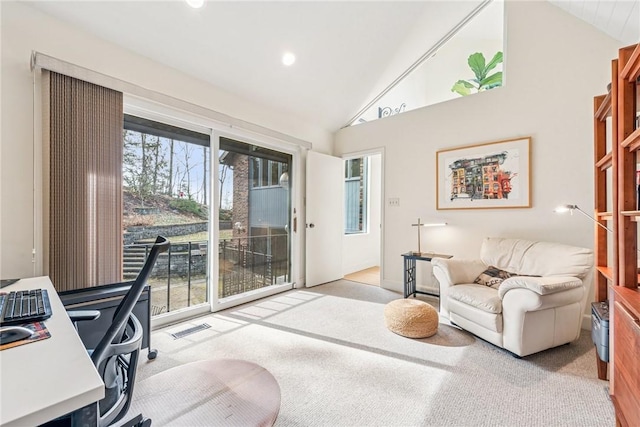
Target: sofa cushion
pixel 479 296
pixel 492 277
pixel 479 322
pixel 524 257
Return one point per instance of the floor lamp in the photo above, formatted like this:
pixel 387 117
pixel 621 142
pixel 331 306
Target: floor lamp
pixel 599 309
pixel 571 208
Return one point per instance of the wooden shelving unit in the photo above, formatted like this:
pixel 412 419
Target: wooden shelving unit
pixel 633 215
pixel 605 162
pixel 607 272
pixel 617 267
pixel 605 216
pixel 603 156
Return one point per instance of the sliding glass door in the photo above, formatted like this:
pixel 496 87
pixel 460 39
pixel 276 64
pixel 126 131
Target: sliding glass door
pixel 254 200
pixel 166 191
pixel 224 204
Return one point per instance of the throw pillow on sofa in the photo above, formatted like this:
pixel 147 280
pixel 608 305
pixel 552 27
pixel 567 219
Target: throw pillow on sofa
pixel 493 277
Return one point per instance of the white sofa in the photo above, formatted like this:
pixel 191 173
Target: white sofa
pixel 540 308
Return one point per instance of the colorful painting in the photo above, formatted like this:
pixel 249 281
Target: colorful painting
pixel 484 176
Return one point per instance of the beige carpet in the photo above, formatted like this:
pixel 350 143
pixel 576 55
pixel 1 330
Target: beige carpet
pixel 220 392
pixel 338 365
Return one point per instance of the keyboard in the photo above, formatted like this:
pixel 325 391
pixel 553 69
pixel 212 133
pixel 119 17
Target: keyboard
pixel 27 306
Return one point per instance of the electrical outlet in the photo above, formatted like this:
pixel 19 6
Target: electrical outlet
pixel 394 202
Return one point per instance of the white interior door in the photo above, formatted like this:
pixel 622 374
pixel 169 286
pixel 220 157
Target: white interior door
pixel 324 227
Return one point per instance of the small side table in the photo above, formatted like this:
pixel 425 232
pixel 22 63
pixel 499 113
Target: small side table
pixel 410 272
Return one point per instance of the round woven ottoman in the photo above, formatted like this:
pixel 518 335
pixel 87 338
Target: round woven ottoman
pixel 411 318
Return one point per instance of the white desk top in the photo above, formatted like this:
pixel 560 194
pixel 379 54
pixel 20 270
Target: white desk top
pixel 59 374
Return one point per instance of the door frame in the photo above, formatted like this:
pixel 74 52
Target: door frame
pixel 372 152
pixel 294 179
pixel 163 113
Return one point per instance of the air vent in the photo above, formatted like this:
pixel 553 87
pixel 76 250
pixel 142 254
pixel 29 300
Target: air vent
pixel 191 330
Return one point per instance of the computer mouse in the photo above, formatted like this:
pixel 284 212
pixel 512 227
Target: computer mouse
pixel 14 333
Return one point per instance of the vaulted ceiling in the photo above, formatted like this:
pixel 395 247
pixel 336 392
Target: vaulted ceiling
pixel 347 51
pixel 618 18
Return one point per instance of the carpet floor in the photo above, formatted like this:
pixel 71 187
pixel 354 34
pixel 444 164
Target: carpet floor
pixel 337 365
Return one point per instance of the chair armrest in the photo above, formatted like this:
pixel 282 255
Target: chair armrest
pixel 540 285
pixel 131 344
pixel 81 315
pixel 451 272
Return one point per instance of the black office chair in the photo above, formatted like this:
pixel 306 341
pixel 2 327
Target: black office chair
pixel 116 355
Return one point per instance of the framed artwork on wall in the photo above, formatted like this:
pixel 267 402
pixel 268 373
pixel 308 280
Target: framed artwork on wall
pixel 491 175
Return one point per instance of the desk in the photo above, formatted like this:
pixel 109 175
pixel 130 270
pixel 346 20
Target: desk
pixel 60 376
pixel 410 272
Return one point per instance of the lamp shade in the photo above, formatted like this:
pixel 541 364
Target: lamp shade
pixel 423 224
pixel 565 208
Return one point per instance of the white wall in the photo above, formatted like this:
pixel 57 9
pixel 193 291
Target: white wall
pixel 361 251
pixel 25 29
pixel 555 64
pixel 431 82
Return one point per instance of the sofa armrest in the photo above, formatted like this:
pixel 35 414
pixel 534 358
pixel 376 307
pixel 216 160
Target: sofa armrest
pixel 451 272
pixel 540 285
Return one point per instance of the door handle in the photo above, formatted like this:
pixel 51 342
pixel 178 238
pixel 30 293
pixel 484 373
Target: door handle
pixel 311 225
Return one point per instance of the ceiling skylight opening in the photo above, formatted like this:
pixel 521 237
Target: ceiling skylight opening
pixel 446 70
pixel 288 59
pixel 196 4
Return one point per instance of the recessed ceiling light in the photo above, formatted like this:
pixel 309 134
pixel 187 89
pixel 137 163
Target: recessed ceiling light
pixel 288 58
pixel 196 4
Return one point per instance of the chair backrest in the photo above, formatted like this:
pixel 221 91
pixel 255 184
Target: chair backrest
pixel 527 257
pixel 121 338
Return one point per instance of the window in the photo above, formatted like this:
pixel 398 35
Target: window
pixel 355 191
pixel 266 173
pixel 166 190
pixel 443 67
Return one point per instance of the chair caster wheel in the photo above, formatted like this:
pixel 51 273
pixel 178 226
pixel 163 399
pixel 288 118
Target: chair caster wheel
pixel 153 353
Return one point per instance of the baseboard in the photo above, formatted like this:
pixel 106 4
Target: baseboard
pixel 586 322
pixel 392 285
pixel 430 289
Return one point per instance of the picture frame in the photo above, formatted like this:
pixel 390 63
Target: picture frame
pixel 491 175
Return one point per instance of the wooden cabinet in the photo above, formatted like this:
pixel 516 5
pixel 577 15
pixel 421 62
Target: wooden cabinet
pixel 626 375
pixel 616 204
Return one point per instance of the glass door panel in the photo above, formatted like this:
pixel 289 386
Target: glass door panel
pixel 167 192
pixel 254 218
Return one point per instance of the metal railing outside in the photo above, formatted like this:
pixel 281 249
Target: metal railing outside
pixel 179 278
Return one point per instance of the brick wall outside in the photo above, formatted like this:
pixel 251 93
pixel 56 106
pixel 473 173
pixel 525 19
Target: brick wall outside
pixel 241 196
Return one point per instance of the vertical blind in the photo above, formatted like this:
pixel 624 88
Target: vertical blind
pixel 85 183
